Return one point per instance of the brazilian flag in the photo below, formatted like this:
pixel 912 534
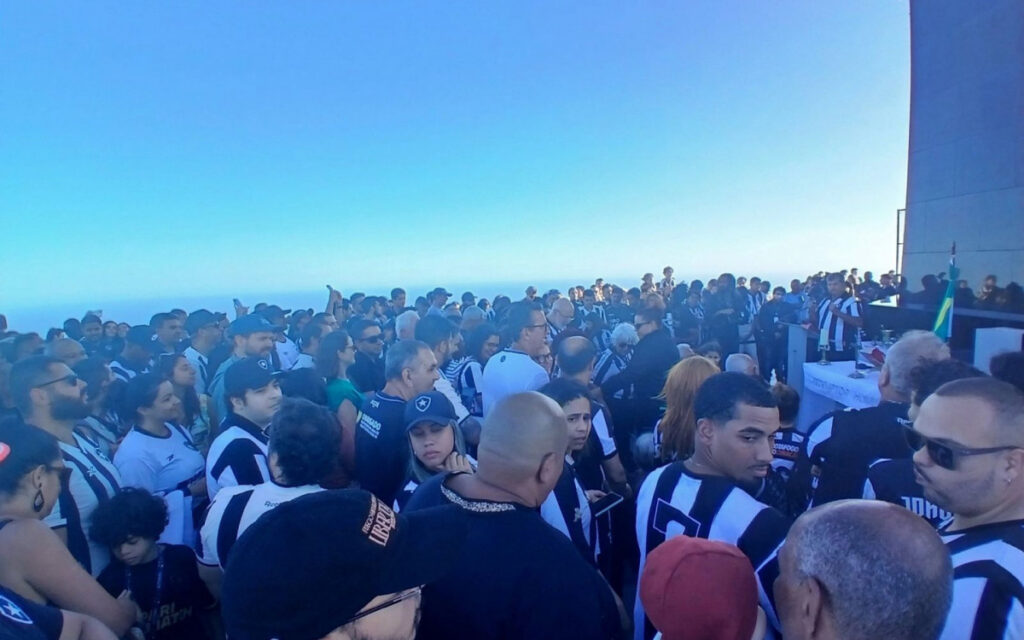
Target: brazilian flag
pixel 944 321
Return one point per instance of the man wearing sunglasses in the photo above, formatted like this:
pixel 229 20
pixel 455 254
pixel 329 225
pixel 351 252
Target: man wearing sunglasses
pixel 969 459
pixel 52 398
pixel 367 372
pixel 337 565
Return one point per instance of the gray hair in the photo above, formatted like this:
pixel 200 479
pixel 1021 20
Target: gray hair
pixel 740 363
pixel 473 312
pixel 406 321
pixel 884 578
pixel 401 356
pixel 625 333
pixel 914 349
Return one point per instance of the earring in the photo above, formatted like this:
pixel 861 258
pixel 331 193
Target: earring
pixel 37 503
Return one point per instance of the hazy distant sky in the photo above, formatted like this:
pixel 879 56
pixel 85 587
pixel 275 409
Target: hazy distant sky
pixel 198 148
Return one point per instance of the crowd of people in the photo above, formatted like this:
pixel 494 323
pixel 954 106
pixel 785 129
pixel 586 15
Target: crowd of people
pixel 608 463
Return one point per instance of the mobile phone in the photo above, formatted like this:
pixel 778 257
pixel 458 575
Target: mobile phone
pixel 605 504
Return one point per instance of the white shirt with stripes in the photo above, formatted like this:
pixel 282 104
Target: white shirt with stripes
pixel 988 568
pixel 94 479
pixel 839 333
pixel 235 509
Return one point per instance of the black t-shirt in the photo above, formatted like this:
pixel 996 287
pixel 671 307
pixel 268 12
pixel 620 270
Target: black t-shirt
pixel 366 373
pixel 171 612
pixel 22 619
pixel 382 447
pixel 517 577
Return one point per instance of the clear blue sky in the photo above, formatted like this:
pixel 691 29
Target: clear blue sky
pixel 198 148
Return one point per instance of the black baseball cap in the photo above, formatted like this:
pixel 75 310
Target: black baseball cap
pixel 200 318
pixel 274 311
pixel 252 323
pixel 140 334
pixel 441 291
pixel 308 566
pixel 432 406
pixel 247 374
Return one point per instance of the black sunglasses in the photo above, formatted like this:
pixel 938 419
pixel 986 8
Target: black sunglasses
pixel 71 379
pixel 376 338
pixel 943 454
pixel 405 595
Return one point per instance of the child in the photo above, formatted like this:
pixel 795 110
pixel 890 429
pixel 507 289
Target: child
pixel 163 579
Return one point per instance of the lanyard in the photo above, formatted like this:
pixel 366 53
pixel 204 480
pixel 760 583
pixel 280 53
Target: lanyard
pixel 153 618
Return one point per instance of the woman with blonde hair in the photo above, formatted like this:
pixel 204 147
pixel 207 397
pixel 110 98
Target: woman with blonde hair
pixel 674 433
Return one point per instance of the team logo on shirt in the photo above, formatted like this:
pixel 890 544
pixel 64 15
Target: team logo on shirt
pixel 380 522
pixel 13 612
pixel 422 404
pixel 262 364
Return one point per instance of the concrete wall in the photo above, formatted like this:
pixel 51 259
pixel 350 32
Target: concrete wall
pixel 965 173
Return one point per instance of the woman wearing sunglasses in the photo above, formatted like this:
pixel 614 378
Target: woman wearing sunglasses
pixel 34 563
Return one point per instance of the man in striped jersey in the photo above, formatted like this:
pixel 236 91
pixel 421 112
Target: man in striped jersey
pixel 969 442
pixel 304 440
pixel 52 398
pixel 862 570
pixel 838 316
pixel 705 497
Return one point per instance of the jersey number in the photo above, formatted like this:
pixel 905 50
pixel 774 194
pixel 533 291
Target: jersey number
pixel 665 516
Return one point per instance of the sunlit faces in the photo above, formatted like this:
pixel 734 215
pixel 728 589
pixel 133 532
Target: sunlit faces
pixel 578 417
pixel 977 483
pixel 836 287
pixel 535 334
pixel 135 550
pixel 258 344
pixel 259 405
pixel 741 448
pixel 65 394
pixel 424 372
pixel 432 443
pixel 166 406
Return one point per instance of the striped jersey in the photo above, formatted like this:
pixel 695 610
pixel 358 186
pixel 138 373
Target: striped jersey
pixel 567 510
pixel 94 479
pixel 893 481
pixel 608 365
pixel 988 597
pixel 238 455
pixel 673 501
pixel 840 335
pixel 234 510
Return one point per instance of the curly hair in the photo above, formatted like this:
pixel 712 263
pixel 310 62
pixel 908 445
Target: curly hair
pixel 307 440
pixel 132 513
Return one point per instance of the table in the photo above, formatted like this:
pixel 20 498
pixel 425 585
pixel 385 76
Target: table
pixel 830 387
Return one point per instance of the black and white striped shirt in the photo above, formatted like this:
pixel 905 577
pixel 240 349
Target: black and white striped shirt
pixel 673 501
pixel 94 479
pixel 237 456
pixel 234 510
pixel 988 596
pixel 608 365
pixel 567 510
pixel 840 335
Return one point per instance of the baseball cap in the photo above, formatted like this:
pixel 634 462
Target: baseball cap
pixel 723 608
pixel 200 318
pixel 251 323
pixel 440 291
pixel 432 406
pixel 274 311
pixel 246 374
pixel 309 565
pixel 140 334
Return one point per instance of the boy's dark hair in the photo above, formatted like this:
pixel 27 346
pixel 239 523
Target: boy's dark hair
pixel 926 378
pixel 433 330
pixel 304 383
pixel 563 391
pixel 306 438
pixel 132 513
pixel 789 402
pixel 717 398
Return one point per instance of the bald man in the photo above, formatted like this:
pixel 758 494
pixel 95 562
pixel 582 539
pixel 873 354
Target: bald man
pixel 860 570
pixel 513 564
pixel 561 316
pixel 68 351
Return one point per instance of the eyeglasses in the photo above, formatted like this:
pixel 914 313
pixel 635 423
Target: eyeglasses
pixel 942 454
pixel 376 338
pixel 71 379
pixel 400 597
pixel 537 326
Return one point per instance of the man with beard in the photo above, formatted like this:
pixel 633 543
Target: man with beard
pixel 52 398
pixel 704 496
pixel 251 336
pixel 968 439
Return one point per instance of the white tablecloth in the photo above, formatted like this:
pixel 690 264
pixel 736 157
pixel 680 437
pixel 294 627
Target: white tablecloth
pixel 833 381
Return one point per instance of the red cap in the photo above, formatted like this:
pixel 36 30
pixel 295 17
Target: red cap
pixel 696 589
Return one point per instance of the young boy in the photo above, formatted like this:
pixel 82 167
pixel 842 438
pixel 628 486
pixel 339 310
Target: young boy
pixel 163 579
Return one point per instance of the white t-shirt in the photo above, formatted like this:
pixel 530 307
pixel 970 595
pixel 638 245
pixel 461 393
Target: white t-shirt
pixel 158 464
pixel 509 372
pixel 287 352
pixel 235 509
pixel 303 361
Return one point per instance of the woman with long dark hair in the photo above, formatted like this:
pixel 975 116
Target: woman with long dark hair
pixel 158 455
pixel 34 563
pixel 482 343
pixel 193 413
